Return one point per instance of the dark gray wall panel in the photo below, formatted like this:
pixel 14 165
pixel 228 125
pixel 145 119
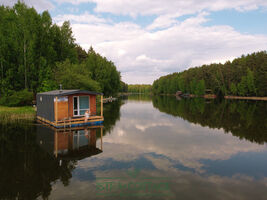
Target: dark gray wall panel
pixel 45 107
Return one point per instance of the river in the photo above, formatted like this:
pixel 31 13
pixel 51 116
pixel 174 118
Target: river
pixel 148 148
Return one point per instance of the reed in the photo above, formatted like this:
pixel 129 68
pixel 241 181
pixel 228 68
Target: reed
pixel 10 114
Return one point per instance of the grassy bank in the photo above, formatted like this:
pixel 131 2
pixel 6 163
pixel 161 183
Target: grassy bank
pixel 16 113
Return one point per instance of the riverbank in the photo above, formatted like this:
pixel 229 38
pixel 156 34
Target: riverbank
pixel 213 96
pixel 246 98
pixel 16 113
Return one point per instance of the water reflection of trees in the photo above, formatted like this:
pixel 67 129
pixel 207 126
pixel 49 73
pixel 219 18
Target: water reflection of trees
pixel 28 164
pixel 245 119
pixel 111 114
pixel 28 171
pixel 138 97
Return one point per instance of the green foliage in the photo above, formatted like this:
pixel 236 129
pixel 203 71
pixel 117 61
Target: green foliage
pixel 244 76
pixel 73 76
pixel 29 48
pixel 193 86
pixel 250 82
pixel 33 50
pixel 242 86
pixel 233 89
pixel 104 72
pixel 181 84
pixel 19 98
pixel 139 88
pixel 200 89
pixel 123 87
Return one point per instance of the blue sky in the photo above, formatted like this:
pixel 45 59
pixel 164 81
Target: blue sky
pixel 150 38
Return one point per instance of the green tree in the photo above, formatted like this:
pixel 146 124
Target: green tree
pixel 233 89
pixel 250 82
pixel 200 89
pixel 242 86
pixel 73 76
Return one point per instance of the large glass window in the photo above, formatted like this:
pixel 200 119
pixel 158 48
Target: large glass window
pixel 83 104
pixel 80 105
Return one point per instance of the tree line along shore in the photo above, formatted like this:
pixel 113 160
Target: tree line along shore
pixel 243 78
pixel 37 55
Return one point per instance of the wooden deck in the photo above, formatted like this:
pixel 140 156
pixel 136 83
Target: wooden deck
pixel 74 122
pixel 64 129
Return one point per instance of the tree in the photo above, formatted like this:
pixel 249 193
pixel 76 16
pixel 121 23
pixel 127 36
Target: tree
pixel 75 76
pixel 242 86
pixel 200 90
pixel 233 89
pixel 250 82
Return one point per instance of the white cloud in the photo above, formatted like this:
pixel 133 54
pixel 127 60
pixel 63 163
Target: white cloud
pixel 39 5
pixel 164 21
pixel 159 7
pixel 84 18
pixel 142 55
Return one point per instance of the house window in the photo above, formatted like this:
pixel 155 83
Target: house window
pixel 80 105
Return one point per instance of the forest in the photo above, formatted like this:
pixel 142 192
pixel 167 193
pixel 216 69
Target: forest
pixel 140 88
pixel 244 76
pixel 37 55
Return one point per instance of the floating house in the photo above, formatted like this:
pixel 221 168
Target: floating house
pixel 74 143
pixel 66 108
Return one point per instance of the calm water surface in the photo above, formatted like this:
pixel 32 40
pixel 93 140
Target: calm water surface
pixel 148 148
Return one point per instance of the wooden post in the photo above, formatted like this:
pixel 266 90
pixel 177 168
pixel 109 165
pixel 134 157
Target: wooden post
pixel 101 105
pixel 56 143
pixel 101 138
pixel 56 111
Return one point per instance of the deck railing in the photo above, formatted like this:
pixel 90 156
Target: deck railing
pixel 69 122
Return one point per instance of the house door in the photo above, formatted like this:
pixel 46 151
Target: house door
pixel 80 105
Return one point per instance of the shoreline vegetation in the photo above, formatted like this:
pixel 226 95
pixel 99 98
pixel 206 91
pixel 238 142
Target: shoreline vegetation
pixel 246 98
pixel 8 114
pixel 206 96
pixel 37 55
pixel 245 77
pixel 28 113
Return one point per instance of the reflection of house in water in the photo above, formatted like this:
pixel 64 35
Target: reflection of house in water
pixel 70 144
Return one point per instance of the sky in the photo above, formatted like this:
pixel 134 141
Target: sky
pixel 147 39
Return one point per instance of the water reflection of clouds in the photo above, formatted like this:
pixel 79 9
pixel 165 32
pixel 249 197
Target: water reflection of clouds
pixel 172 137
pixel 143 128
pixel 172 147
pixel 184 185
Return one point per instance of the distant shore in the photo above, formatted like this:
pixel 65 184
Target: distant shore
pixel 213 96
pixel 247 98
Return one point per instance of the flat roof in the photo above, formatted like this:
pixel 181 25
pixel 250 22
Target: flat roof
pixel 68 92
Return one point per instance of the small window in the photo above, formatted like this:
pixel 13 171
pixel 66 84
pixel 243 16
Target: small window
pixel 41 98
pixel 75 103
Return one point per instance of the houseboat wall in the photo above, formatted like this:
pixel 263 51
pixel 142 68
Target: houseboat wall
pixel 45 107
pixel 92 103
pixel 61 108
